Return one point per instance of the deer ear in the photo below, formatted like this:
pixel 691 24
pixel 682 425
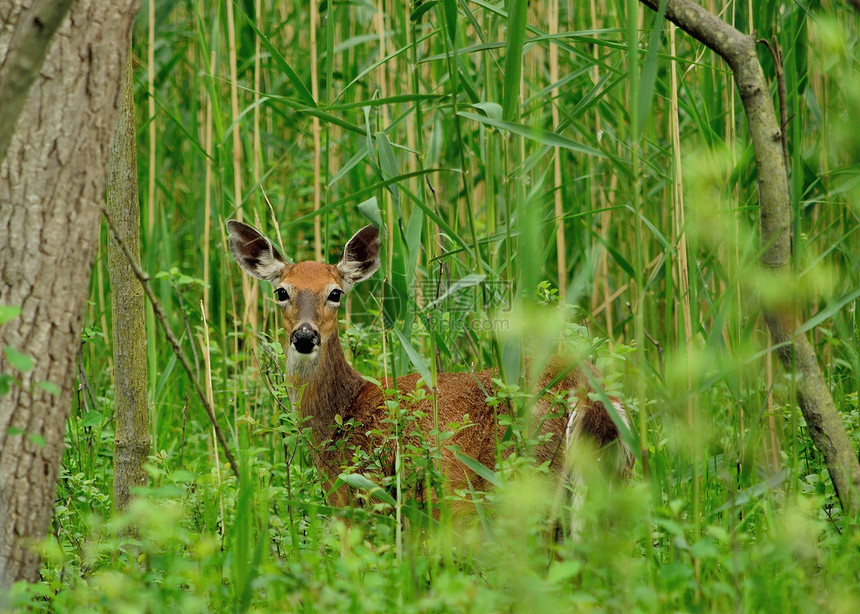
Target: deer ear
pixel 360 256
pixel 254 252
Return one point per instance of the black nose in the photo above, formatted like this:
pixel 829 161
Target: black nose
pixel 305 339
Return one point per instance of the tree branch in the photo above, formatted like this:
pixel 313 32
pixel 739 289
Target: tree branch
pixel 794 350
pixel 27 49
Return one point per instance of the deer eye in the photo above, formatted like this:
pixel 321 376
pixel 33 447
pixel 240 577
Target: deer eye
pixel 334 295
pixel 282 295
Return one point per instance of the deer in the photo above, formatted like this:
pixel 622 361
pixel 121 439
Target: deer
pixel 310 295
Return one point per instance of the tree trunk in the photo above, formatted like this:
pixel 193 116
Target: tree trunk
pixel 131 440
pixel 794 350
pixel 25 53
pixel 51 188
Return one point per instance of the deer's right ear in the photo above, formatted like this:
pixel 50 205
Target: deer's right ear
pixel 254 252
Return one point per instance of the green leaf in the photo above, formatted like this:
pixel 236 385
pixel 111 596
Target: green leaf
pixel 594 96
pixel 421 9
pixel 828 312
pixel 165 375
pixel 517 22
pixel 649 69
pixel 326 118
pixel 755 491
pixel 18 361
pixel 389 168
pixel 303 92
pixel 50 388
pixel 473 279
pixel 392 303
pixel 382 61
pixel 482 470
pixel 386 155
pixel 415 358
pixel 493 110
pixel 535 134
pixel 413 242
pixel 616 255
pixel 449 8
pixel 368 139
pixel 486 521
pixel 9 312
pixel 397 276
pixel 91 419
pixel 428 211
pixel 6 382
pixel 37 439
pixel 182 476
pixel 562 571
pixel 370 210
pixel 378 102
pixel 328 510
pixel 657 234
pixel 704 549
pixel 356 480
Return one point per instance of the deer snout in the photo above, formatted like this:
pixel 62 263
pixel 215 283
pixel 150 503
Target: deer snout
pixel 305 339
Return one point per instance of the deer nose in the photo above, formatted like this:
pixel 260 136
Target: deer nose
pixel 305 339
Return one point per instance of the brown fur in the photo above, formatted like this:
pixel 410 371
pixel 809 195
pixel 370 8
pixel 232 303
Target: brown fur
pixel 337 389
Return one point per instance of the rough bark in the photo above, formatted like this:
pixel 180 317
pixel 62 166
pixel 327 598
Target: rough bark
pixel 21 62
pixel 51 189
pixel 794 350
pixel 131 440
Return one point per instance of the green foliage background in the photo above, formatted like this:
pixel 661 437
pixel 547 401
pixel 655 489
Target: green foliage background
pixel 438 116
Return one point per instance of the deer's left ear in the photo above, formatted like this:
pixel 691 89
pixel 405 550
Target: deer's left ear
pixel 360 256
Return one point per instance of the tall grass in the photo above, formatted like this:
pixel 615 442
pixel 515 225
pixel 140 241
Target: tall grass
pixel 444 120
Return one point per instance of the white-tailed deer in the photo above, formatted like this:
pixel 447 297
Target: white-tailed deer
pixel 310 293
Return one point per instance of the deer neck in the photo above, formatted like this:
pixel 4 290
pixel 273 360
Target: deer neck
pixel 330 384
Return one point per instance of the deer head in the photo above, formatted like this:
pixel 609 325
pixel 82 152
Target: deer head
pixel 308 293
